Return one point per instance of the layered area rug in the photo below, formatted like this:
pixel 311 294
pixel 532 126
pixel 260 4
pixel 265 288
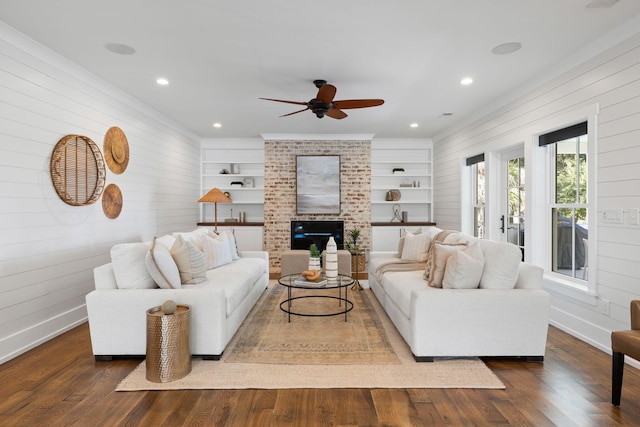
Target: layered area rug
pixel 268 352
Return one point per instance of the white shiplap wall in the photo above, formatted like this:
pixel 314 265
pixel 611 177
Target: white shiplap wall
pixel 48 249
pixel 610 81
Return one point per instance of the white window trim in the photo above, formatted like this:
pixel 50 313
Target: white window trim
pixel 540 217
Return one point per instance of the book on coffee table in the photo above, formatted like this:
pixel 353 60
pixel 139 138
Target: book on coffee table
pixel 310 283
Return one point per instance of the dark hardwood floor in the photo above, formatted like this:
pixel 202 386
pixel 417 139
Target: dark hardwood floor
pixel 60 384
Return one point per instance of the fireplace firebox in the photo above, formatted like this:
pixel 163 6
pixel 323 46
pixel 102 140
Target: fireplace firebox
pixel 304 233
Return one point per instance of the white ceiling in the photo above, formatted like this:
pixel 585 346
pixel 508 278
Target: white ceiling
pixel 221 56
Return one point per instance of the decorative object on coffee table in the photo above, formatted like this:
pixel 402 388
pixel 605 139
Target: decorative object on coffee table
pixel 314 257
pixel 168 352
pixel 116 150
pixel 77 170
pixel 215 196
pixel 331 259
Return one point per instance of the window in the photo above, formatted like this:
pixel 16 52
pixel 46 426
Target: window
pixel 478 193
pixel 569 154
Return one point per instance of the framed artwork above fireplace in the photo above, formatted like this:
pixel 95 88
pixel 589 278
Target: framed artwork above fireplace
pixel 318 185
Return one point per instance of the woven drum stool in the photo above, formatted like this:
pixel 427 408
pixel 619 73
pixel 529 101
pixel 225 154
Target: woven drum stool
pixel 168 351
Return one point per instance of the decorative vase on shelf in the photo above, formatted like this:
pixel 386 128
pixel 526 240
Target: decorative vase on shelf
pixel 331 260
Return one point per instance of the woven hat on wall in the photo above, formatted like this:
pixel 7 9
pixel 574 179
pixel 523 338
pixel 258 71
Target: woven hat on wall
pixel 116 150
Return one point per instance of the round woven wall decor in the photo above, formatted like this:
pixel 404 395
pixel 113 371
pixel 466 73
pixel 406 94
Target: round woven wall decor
pixel 77 170
pixel 116 150
pixel 112 201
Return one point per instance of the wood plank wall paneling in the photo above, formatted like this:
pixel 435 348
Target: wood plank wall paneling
pixel 48 249
pixel 610 80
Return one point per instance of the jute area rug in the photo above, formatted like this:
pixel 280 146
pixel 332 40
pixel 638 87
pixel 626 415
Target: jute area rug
pixel 367 351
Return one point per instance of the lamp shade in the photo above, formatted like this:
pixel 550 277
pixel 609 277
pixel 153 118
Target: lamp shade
pixel 215 196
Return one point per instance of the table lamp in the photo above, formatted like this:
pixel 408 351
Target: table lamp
pixel 215 196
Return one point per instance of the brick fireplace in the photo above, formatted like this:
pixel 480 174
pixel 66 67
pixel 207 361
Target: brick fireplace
pixel 280 189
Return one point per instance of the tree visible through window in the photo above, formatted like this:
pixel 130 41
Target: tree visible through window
pixel 569 213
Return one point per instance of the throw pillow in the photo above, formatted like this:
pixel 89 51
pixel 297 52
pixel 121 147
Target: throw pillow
pixel 216 251
pixel 195 236
pixel 415 247
pixel 502 262
pixel 464 268
pixel 401 241
pixel 441 253
pixel 162 267
pixel 231 239
pixel 190 262
pixel 438 236
pixel 129 268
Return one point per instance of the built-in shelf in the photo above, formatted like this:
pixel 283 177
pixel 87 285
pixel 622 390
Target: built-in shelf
pixel 242 160
pixel 414 184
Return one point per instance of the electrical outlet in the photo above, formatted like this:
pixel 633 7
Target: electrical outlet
pixel 612 216
pixel 634 216
pixel 604 307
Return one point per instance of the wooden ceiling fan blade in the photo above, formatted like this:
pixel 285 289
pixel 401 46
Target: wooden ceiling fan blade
pixel 326 93
pixel 295 112
pixel 286 102
pixel 357 103
pixel 336 113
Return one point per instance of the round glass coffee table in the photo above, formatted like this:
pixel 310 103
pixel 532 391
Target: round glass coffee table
pixel 296 281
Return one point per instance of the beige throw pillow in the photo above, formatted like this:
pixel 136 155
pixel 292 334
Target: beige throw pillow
pixel 415 247
pixel 190 262
pixel 441 253
pixel 464 268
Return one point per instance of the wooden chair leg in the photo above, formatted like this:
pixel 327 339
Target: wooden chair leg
pixel 616 377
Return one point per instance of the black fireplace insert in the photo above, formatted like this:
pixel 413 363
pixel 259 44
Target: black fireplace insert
pixel 304 233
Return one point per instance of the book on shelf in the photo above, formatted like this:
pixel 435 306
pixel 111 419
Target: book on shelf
pixel 310 283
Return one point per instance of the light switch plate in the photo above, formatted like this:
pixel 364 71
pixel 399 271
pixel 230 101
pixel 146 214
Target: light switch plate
pixel 634 216
pixel 612 216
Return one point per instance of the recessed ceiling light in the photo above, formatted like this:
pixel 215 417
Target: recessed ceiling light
pixel 217 125
pixel 162 81
pixel 506 48
pixel 119 48
pixel 466 81
pixel 413 125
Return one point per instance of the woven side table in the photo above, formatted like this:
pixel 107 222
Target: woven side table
pixel 168 351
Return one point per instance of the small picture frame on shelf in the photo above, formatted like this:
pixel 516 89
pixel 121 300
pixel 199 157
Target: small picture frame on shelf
pixel 249 183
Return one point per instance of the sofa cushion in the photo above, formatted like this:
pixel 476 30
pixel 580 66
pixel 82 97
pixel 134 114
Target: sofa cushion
pixel 216 250
pixel 235 279
pixel 440 255
pixel 190 262
pixel 398 286
pixel 502 261
pixel 464 268
pixel 129 268
pixel 162 267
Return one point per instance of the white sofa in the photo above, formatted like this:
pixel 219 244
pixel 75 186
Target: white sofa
pixel 117 314
pixel 507 321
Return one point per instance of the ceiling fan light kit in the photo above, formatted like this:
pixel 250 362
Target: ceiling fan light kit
pixel 324 105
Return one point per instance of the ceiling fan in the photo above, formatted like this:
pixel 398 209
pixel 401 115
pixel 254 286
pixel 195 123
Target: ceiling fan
pixel 323 104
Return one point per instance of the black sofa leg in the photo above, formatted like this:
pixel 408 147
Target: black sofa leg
pixel 616 377
pixel 423 358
